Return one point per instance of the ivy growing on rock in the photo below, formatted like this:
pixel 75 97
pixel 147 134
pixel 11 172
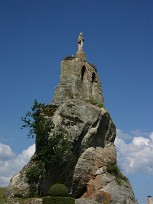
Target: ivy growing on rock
pixel 33 174
pixel 52 145
pixel 95 102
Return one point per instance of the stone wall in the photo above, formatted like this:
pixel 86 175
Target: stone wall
pixel 78 80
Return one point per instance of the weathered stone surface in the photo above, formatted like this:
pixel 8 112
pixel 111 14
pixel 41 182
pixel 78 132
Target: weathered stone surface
pixel 81 55
pixel 88 126
pixel 91 135
pixel 90 166
pixel 18 186
pixel 34 201
pixel 78 80
pixel 85 120
pixel 91 176
pixel 120 193
pixel 85 201
pixel 15 200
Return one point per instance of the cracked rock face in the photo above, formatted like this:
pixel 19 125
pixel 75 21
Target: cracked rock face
pixel 90 173
pixel 102 186
pixel 90 127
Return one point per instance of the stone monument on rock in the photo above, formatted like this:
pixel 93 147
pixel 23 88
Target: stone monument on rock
pixel 80 54
pixel 89 166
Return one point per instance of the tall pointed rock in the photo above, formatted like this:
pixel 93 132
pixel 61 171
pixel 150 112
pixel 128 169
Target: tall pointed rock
pixel 88 165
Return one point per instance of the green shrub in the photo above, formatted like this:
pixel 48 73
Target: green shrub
pixel 58 200
pixel 120 181
pixel 58 190
pixel 58 194
pixel 115 171
pixel 95 102
pixel 32 174
pixel 51 145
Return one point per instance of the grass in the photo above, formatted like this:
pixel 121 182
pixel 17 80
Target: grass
pixel 95 102
pixel 115 171
pixel 4 200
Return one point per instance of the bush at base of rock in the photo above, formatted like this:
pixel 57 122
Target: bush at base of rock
pixel 58 200
pixel 58 194
pixel 58 190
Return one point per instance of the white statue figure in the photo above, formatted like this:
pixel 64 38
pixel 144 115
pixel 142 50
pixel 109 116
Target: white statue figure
pixel 80 42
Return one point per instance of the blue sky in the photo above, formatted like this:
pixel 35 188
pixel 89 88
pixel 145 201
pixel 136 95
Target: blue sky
pixel 35 35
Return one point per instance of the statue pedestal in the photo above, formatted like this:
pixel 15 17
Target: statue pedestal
pixel 81 55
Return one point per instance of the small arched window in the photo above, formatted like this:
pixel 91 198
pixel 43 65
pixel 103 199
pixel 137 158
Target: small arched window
pixel 93 77
pixel 83 72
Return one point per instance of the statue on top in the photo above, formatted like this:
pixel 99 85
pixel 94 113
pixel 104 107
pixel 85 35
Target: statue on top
pixel 80 42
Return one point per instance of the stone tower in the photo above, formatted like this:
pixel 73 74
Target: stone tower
pixel 78 80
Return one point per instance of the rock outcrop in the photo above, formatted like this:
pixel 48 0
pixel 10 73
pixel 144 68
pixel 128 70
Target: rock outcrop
pixel 90 171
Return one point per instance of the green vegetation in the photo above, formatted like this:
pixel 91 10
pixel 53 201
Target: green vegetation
pixel 95 102
pixel 35 120
pixel 58 194
pixel 51 146
pixel 33 174
pixel 5 200
pixel 2 195
pixel 58 200
pixel 115 171
pixel 58 190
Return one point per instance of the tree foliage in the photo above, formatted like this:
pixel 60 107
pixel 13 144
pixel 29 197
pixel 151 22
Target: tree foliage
pixel 52 144
pixel 32 119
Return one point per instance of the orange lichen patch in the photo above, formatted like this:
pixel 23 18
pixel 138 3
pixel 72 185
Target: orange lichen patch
pixel 89 192
pixel 97 195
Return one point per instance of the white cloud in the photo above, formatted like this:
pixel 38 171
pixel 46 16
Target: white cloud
pixel 140 141
pixel 135 155
pixel 134 151
pixel 5 152
pixel 10 163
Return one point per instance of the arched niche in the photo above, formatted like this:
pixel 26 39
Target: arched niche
pixel 84 84
pixel 93 77
pixel 83 73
